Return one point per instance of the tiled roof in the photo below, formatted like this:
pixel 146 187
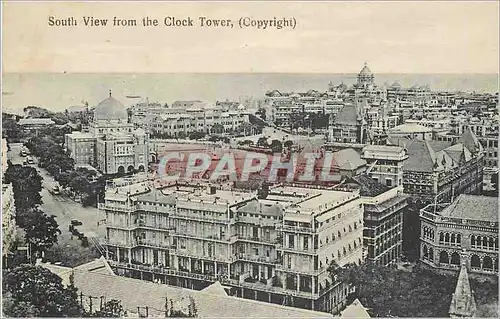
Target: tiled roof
pixel 473 207
pixel 347 115
pixel 368 186
pixel 348 159
pixel 355 310
pixel 135 293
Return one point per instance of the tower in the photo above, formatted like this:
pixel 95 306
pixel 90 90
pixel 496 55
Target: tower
pixel 463 303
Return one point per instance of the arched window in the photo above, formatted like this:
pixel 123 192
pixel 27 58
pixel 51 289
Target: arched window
pixel 443 258
pixel 431 254
pixel 441 237
pixel 475 262
pixel 455 258
pixel 453 237
pixel 496 265
pixel 447 238
pixel 473 240
pixel 487 263
pixel 459 238
pixel 492 243
pixel 485 242
pixel 426 252
pixel 344 252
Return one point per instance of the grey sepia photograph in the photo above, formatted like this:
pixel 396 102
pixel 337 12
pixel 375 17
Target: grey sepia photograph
pixel 250 159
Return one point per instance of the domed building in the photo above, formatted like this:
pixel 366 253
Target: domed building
pixel 365 77
pixel 111 145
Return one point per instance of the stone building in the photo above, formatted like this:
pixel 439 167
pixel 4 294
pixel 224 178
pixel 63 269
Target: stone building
pixel 465 231
pixel 274 246
pixel 112 145
pixel 385 163
pixel 384 208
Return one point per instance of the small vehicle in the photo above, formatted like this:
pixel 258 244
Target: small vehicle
pixel 23 154
pixel 56 190
pixel 76 222
pixel 30 160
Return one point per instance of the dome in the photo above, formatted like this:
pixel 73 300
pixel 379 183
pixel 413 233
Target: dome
pixel 110 109
pixel 365 71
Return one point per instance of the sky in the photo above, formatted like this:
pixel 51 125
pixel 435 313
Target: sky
pixel 330 37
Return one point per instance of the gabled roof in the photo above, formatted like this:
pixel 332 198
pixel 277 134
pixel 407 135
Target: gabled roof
pixel 463 303
pixel 470 141
pixel 348 159
pixel 473 207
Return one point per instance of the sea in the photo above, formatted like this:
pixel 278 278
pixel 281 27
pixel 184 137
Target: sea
pixel 57 92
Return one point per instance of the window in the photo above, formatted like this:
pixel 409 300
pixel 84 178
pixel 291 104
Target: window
pixel 291 241
pixel 388 182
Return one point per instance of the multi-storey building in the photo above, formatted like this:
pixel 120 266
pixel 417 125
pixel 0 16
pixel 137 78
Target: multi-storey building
pixel 112 145
pixel 274 246
pixel 384 208
pixel 349 126
pixel 465 231
pixel 440 170
pixel 385 163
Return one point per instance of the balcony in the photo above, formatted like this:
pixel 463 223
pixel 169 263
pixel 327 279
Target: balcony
pixel 118 208
pixel 257 259
pixel 296 229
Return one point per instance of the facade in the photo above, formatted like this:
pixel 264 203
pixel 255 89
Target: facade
pixel 35 123
pixel 465 231
pixel 8 208
pixel 185 117
pixel 112 145
pixel 349 126
pixel 274 246
pixel 385 163
pixel 384 208
pixel 441 170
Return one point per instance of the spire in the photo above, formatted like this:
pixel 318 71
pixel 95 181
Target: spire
pixel 463 303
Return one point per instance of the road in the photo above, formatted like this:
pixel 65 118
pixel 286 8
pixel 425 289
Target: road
pixel 63 208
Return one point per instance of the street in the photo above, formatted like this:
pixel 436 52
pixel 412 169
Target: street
pixel 63 208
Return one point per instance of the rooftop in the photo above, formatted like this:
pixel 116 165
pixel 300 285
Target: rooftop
pixel 473 207
pixel 36 121
pixel 210 302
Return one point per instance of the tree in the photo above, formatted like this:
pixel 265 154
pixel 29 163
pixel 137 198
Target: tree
pixel 110 309
pixel 388 291
pixel 41 231
pixel 276 146
pixel 33 291
pixel 288 144
pixel 262 142
pixel 261 112
pixel 217 128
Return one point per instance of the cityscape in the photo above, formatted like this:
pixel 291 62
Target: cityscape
pixel 356 199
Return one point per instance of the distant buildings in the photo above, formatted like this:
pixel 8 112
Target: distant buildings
pixel 112 145
pixel 34 124
pixel 275 246
pixel 185 117
pixel 349 126
pixel 463 232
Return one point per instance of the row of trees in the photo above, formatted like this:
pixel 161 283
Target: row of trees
pixel 40 229
pixel 60 165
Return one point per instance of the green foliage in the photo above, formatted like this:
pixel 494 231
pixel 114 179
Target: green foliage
pixel 388 291
pixel 41 230
pixel 276 146
pixel 33 291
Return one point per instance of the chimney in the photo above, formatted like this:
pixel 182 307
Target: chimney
pixel 211 190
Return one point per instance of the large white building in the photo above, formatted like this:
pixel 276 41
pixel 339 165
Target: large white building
pixel 274 246
pixel 112 145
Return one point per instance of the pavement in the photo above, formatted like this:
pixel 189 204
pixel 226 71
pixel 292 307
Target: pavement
pixel 62 207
